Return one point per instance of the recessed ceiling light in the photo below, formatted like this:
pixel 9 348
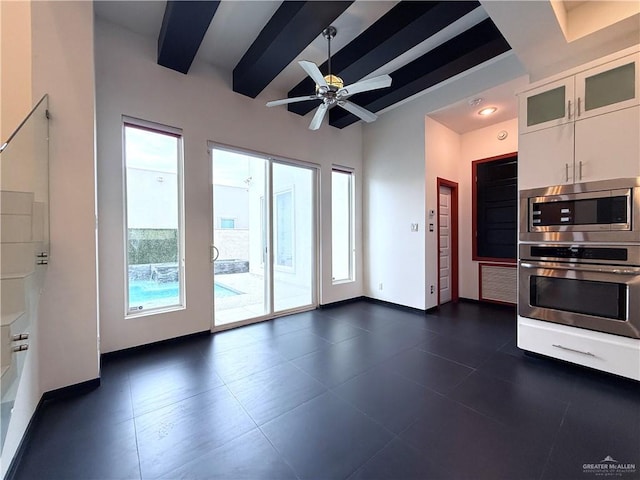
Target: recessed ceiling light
pixel 487 111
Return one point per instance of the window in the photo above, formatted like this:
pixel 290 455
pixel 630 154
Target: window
pixel 227 223
pixel 154 232
pixel 342 228
pixel 284 228
pixel 495 194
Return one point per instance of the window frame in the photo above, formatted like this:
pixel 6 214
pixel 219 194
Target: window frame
pixel 474 197
pixel 149 126
pixel 337 169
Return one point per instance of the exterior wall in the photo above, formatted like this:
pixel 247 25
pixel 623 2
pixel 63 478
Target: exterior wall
pixel 203 105
pixel 147 188
pixel 231 202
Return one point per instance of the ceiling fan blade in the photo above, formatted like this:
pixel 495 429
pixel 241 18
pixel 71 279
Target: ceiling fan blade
pixel 285 101
pixel 314 72
pixel 318 117
pixel 358 111
pixel 374 83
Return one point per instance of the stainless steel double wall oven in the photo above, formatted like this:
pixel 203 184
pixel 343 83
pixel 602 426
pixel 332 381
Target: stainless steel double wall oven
pixel 580 255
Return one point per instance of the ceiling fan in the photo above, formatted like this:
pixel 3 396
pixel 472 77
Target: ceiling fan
pixel 331 91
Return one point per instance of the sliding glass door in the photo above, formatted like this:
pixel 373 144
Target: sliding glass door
pixel 264 238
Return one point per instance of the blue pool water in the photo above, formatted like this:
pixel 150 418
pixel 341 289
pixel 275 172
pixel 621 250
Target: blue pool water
pixel 142 292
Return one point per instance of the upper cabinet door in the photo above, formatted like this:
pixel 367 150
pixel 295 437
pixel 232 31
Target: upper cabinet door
pixel 609 87
pixel 546 106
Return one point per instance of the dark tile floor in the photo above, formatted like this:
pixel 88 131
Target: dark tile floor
pixel 360 391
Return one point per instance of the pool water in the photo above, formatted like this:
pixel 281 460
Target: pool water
pixel 144 292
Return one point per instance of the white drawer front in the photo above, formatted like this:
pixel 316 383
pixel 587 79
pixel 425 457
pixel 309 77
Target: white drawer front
pixel 602 351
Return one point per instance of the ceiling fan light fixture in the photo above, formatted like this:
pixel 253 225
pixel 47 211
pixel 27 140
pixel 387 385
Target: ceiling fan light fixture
pixel 334 81
pixel 331 91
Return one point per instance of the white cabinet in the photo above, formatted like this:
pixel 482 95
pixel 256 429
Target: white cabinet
pixel 583 127
pixel 602 351
pixel 612 86
pixel 545 157
pixel 546 106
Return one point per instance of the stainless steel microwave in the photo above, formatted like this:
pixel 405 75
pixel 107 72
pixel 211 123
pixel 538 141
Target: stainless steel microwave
pixel 603 211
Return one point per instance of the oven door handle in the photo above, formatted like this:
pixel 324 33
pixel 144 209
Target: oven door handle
pixel 555 266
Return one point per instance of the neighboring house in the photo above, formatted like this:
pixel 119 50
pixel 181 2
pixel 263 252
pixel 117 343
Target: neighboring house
pixel 96 71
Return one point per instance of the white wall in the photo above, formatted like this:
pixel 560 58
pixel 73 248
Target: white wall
pixel 394 199
pixel 15 71
pixel 477 145
pixel 202 104
pixel 442 147
pixel 63 67
pixel 399 188
pixel 450 155
pixel 64 346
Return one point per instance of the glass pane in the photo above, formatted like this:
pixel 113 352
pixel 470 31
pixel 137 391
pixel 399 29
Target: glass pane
pixel 341 226
pixel 293 236
pixel 153 219
pixel 613 86
pixel 600 299
pixel 24 196
pixel 546 106
pixel 239 236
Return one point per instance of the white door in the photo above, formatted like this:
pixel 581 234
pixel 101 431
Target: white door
pixel 445 243
pixel 264 237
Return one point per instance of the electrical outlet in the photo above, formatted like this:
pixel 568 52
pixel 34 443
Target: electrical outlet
pixel 414 227
pixel 380 286
pixel 432 289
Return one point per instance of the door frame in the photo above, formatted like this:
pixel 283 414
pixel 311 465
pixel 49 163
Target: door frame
pixel 271 159
pixel 453 220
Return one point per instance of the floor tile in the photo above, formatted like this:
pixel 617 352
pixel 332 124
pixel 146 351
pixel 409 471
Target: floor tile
pixel 398 460
pixel 157 388
pixel 227 340
pixel 242 362
pixel 465 444
pixel 388 398
pixel 511 404
pixel 297 344
pixel 588 437
pixel 107 404
pixel 181 432
pixel 334 331
pixel 325 438
pixel 106 452
pixel 272 392
pixel 340 362
pixel 413 395
pixel 431 371
pixel 248 457
pixel 533 373
pixel 470 354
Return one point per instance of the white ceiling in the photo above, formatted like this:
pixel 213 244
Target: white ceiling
pixel 530 27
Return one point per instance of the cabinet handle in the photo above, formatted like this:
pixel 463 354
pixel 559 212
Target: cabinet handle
pixel 580 170
pixel 568 109
pixel 566 171
pixel 578 107
pixel 573 350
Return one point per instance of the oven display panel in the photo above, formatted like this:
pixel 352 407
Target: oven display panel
pixel 592 211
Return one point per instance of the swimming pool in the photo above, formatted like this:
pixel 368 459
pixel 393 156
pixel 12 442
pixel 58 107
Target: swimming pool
pixel 145 291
